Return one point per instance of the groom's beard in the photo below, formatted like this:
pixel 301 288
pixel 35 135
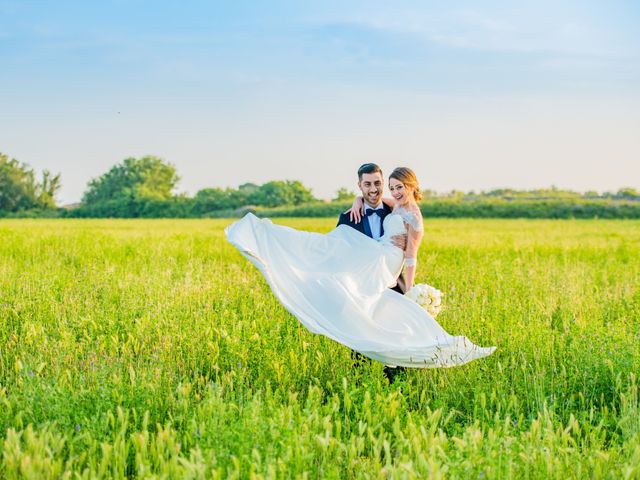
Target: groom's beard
pixel 371 204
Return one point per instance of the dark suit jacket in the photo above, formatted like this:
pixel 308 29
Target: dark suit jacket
pixel 363 227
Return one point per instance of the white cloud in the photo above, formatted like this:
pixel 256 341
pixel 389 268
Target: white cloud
pixel 472 29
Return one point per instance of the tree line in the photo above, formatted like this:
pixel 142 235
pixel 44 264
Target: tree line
pixel 145 187
pixel 137 187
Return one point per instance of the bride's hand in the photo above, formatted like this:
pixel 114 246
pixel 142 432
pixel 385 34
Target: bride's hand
pixel 356 212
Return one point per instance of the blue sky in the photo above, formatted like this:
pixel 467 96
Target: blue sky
pixel 472 95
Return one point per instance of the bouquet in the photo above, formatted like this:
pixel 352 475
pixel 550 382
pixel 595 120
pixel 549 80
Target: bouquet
pixel 427 297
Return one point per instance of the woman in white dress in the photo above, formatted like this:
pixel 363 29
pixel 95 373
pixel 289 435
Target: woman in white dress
pixel 337 284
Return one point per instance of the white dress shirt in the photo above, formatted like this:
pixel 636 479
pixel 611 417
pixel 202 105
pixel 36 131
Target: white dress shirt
pixel 374 221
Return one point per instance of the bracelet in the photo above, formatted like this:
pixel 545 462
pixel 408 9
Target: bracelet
pixel 410 262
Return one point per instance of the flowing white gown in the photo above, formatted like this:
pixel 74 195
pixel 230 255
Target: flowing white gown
pixel 337 285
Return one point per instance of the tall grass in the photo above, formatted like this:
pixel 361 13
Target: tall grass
pixel 151 348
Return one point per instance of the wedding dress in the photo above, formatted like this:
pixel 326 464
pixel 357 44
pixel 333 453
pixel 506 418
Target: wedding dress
pixel 337 285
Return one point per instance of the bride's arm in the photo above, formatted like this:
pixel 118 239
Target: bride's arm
pixel 414 238
pixel 356 212
pixel 389 202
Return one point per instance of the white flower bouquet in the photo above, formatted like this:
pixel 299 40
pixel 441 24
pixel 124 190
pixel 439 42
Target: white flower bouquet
pixel 428 297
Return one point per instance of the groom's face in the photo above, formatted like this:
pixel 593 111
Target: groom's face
pixel 371 187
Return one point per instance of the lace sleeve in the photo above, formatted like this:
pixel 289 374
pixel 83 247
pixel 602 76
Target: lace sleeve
pixel 412 219
pixel 414 238
pixel 416 222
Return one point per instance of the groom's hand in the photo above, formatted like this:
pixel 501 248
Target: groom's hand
pixel 399 241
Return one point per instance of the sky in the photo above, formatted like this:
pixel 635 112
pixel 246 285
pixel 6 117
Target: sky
pixel 473 95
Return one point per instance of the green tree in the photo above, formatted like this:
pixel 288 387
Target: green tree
pixel 343 195
pixel 628 193
pixel 211 199
pixel 19 189
pixel 278 193
pixel 135 179
pixel 242 196
pixel 248 188
pixel 46 191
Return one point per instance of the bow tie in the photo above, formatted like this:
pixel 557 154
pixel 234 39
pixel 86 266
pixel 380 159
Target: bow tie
pixel 378 211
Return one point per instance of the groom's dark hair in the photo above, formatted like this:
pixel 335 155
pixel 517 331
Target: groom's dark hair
pixel 368 168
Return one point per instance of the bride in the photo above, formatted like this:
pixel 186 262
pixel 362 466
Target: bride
pixel 337 284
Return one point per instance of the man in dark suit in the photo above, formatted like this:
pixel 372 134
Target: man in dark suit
pixel 371 184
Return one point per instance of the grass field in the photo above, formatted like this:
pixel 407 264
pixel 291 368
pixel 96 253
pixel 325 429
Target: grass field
pixel 152 348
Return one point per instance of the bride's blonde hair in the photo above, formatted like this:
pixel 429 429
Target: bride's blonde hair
pixel 408 178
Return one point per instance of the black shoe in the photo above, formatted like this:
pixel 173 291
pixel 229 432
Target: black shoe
pixel 392 372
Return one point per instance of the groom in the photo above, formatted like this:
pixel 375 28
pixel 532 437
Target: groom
pixel 371 184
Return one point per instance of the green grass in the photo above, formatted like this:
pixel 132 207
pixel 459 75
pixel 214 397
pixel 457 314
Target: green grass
pixel 152 348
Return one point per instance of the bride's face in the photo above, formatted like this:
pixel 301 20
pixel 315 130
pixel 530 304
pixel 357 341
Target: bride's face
pixel 398 191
